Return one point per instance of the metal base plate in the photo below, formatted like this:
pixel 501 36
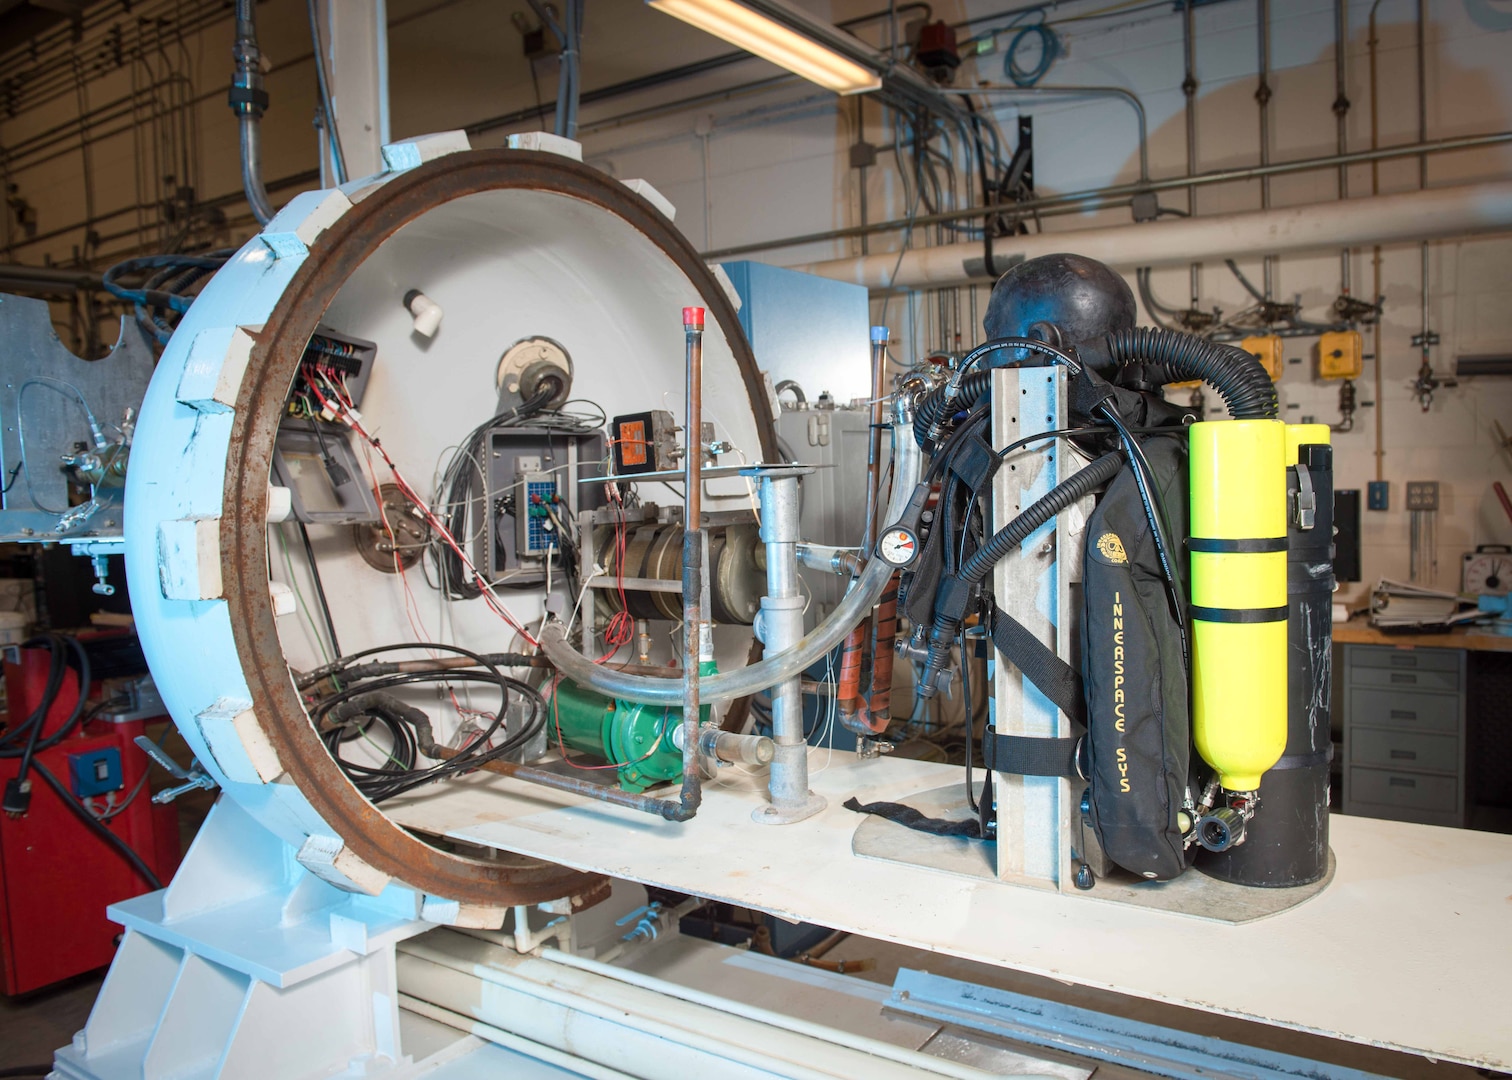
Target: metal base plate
pixel 1193 893
pixel 771 814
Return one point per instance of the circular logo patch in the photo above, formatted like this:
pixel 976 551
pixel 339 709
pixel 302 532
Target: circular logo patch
pixel 1110 547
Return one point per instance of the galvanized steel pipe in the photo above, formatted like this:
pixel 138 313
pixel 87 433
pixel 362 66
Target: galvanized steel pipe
pixel 861 598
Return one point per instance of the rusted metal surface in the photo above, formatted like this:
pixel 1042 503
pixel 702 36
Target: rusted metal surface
pixel 576 785
pixel 332 260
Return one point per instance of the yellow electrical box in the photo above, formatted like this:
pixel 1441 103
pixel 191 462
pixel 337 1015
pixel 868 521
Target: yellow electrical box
pixel 1266 349
pixel 1341 355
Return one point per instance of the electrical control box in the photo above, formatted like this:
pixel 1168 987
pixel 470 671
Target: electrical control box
pixel 1378 495
pixel 1341 355
pixel 95 772
pixel 331 357
pixel 318 465
pixel 1265 348
pixel 644 442
pixel 533 494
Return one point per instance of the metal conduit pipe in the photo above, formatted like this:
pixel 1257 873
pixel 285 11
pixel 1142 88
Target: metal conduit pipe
pixel 1412 216
pixel 248 100
pixel 1263 96
pixel 862 597
pixel 1073 91
pixel 1341 114
pixel 1189 89
pixel 1105 196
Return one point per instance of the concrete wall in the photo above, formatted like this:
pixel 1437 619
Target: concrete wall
pixel 751 163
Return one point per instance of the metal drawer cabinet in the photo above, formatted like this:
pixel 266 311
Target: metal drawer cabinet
pixel 1404 733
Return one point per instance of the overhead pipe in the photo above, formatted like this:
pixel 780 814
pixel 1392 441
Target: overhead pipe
pixel 1189 89
pixel 1263 96
pixel 1341 114
pixel 1419 215
pixel 1099 198
pixel 1074 91
pixel 248 100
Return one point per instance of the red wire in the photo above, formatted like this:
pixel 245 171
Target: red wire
pixel 343 410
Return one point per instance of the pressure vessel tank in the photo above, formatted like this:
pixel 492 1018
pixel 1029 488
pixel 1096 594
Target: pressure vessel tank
pixel 1239 602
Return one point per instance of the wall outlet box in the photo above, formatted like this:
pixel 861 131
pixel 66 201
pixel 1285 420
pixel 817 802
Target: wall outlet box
pixel 1422 495
pixel 1378 495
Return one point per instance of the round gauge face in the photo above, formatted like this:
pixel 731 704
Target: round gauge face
pixel 898 546
pixel 1487 572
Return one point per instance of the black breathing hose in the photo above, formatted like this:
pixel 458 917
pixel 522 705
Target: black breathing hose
pixel 973 387
pixel 1076 486
pixel 1168 356
pixel 1172 356
pixel 1006 539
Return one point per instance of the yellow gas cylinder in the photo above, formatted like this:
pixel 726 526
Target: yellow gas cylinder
pixel 1300 435
pixel 1239 600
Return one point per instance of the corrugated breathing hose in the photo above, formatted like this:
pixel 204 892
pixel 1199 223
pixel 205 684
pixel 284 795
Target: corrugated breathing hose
pixel 954 595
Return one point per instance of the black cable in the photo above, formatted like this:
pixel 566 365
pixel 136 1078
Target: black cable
pixel 98 828
pixel 35 744
pixel 457 492
pixel 970 722
pixel 410 728
pixel 1248 286
pixel 340 665
pixel 1144 479
pixel 320 593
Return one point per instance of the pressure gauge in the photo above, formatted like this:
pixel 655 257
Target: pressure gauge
pixel 898 546
pixel 1488 569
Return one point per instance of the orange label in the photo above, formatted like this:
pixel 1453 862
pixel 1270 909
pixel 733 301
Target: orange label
pixel 633 442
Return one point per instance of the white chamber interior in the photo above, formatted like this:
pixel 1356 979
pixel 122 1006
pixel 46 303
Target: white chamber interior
pixel 504 265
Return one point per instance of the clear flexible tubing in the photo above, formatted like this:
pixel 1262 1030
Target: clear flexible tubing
pixel 861 598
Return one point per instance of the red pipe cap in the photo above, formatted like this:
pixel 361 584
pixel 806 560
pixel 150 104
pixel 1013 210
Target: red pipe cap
pixel 693 317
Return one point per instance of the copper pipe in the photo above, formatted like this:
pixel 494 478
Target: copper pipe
pixel 884 634
pixel 695 630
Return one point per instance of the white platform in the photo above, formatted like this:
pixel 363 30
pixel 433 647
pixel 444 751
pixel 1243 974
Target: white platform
pixel 1409 948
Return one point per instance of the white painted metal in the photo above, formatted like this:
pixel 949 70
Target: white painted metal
pixel 1385 219
pixel 248 965
pixel 1033 585
pixel 644 1026
pixel 355 36
pixel 506 265
pixel 1408 902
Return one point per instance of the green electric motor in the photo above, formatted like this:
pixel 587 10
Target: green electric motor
pixel 637 738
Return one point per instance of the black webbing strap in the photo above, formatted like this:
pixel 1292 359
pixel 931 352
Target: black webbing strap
pixel 1239 615
pixel 1051 675
pixel 910 818
pixel 1264 545
pixel 1033 755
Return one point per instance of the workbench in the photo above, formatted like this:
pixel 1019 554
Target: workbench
pixel 1406 948
pixel 1421 720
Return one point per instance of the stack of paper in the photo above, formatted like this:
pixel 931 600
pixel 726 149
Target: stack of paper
pixel 1400 604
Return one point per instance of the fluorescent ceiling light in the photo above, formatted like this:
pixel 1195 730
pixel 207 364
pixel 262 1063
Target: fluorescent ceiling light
pixel 757 34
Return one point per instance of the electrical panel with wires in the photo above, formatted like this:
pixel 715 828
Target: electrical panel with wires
pixel 533 496
pixel 313 454
pixel 334 366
